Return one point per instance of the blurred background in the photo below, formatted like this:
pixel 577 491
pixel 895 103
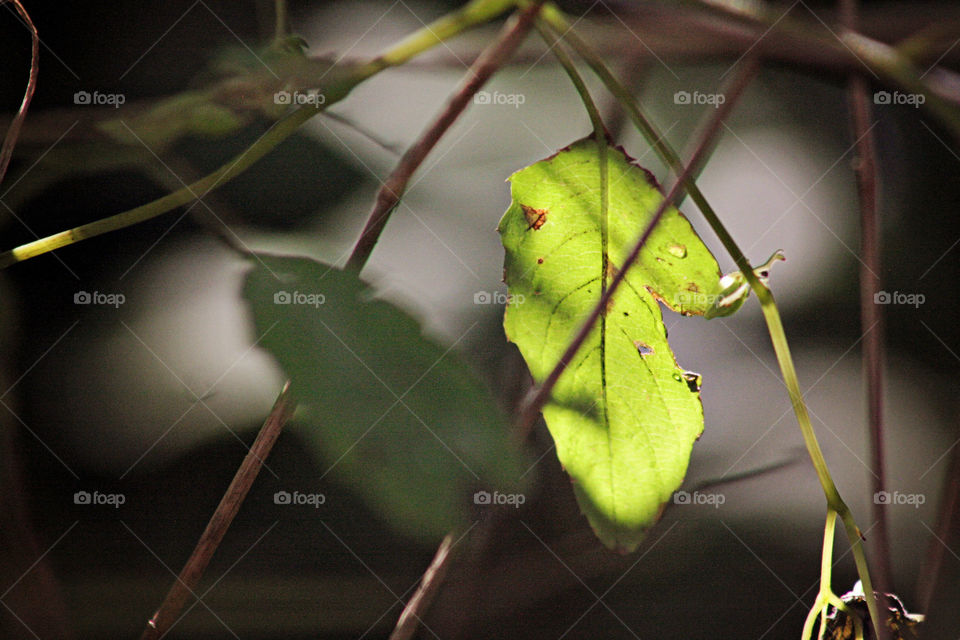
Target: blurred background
pixel 108 398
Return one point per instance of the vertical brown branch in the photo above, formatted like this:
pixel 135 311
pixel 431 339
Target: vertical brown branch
pixel 192 571
pixel 488 63
pixel 871 313
pixel 10 141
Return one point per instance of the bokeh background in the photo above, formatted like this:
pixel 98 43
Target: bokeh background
pixel 107 398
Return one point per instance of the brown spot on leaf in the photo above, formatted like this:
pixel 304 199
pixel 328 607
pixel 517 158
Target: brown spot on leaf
pixel 536 218
pixel 539 260
pixel 643 348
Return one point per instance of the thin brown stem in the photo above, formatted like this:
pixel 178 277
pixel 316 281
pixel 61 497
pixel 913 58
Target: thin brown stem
pixel 871 313
pixel 423 598
pixel 10 140
pixel 488 63
pixel 192 572
pixel 539 395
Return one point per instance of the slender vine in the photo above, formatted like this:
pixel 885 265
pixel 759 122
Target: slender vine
pixel 825 595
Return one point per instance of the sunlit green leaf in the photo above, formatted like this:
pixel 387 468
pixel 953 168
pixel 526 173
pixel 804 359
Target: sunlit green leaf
pixel 623 415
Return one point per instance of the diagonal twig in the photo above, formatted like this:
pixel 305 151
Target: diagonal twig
pixel 488 63
pixel 429 584
pixel 192 571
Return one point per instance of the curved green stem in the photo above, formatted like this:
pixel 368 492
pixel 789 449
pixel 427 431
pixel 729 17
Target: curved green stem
pixel 553 43
pixel 280 131
pixel 444 28
pixel 826 596
pixel 559 23
pixel 471 14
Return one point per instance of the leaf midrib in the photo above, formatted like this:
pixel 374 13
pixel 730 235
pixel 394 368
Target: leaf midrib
pixel 604 263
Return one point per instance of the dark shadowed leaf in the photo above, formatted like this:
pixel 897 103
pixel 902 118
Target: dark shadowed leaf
pixel 391 414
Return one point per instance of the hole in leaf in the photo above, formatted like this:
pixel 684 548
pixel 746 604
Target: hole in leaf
pixel 643 348
pixel 693 380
